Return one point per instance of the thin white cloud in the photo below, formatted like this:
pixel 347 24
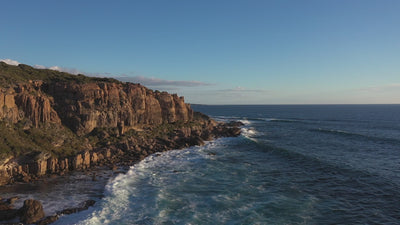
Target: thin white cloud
pixel 61 69
pixel 381 88
pixel 57 68
pixel 243 90
pixel 105 74
pixel 237 94
pixel 40 67
pixel 10 62
pixel 160 82
pixel 72 71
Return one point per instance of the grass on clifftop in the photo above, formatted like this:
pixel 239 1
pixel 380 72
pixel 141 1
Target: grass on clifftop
pixel 15 140
pixel 10 75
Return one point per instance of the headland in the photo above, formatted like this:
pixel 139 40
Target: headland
pixel 54 123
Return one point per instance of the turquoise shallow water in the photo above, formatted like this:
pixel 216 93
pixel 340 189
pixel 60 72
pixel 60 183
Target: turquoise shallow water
pixel 291 165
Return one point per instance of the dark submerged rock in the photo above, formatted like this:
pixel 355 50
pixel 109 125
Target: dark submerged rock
pixel 85 205
pixel 7 211
pixel 31 212
pixel 48 220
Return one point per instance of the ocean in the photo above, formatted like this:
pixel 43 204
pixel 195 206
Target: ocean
pixel 293 164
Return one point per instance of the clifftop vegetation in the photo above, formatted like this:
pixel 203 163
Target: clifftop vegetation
pixel 10 75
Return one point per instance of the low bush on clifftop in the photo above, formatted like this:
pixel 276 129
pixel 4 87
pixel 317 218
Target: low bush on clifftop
pixel 10 75
pixel 16 140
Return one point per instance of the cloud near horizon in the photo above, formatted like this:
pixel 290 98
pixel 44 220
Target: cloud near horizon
pixel 161 82
pixel 57 68
pixel 243 90
pixel 10 62
pixel 381 88
pixel 60 69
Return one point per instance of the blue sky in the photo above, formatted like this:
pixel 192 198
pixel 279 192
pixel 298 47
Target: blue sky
pixel 218 52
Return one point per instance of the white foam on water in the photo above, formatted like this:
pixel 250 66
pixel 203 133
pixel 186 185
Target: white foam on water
pixel 140 190
pixel 245 122
pixel 199 185
pixel 248 131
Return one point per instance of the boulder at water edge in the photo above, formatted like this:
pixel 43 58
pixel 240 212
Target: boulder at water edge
pixel 31 212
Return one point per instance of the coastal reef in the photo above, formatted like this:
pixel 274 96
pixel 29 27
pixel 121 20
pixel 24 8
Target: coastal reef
pixel 53 122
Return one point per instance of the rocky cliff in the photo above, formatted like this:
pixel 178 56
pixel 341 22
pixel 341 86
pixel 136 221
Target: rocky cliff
pixel 84 107
pixel 53 123
pixel 27 101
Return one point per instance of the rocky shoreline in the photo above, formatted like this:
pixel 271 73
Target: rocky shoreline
pixel 131 150
pixel 115 158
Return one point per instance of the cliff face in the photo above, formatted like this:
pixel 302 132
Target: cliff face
pixel 27 101
pixel 65 122
pixel 84 107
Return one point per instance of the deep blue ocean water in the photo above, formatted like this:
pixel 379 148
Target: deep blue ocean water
pixel 313 164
